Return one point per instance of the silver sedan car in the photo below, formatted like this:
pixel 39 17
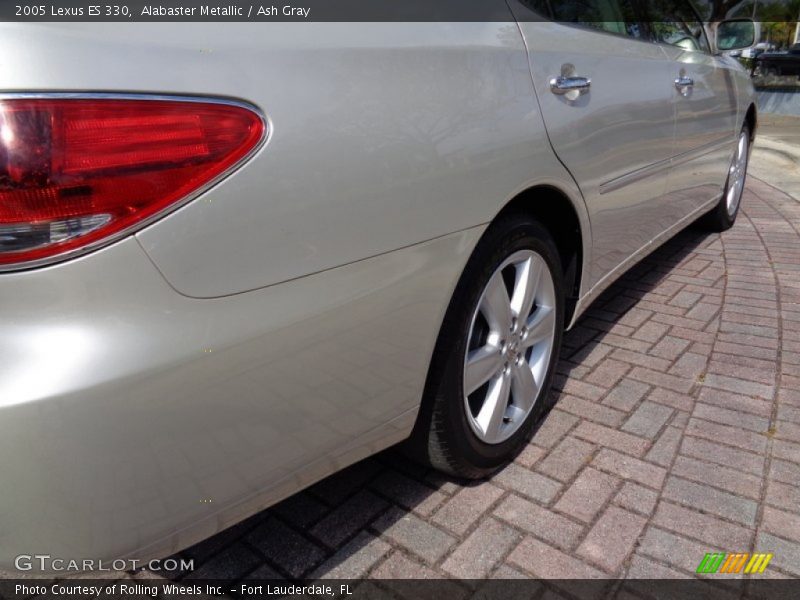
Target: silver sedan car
pixel 239 257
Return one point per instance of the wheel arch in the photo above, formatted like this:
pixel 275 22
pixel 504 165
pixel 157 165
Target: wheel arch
pixel 563 214
pixel 751 119
pixel 568 225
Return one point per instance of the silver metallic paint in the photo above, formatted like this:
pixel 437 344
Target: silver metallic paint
pixel 124 400
pixel 614 130
pixel 123 404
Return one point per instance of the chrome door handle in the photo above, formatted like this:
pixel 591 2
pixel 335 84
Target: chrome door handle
pixel 564 85
pixel 684 82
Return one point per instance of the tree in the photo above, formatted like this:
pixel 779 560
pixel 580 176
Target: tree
pixel 778 17
pixel 779 20
pixel 723 9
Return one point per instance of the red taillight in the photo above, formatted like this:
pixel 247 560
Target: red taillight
pixel 75 172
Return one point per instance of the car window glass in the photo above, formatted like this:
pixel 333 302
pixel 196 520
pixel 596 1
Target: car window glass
pixel 674 22
pixel 612 16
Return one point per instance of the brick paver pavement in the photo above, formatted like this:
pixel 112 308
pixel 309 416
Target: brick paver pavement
pixel 676 433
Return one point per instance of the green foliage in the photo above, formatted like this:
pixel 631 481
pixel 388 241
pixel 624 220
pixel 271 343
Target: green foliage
pixel 778 17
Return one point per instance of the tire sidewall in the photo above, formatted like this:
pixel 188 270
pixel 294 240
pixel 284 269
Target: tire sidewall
pixel 731 218
pixel 719 219
pixel 521 234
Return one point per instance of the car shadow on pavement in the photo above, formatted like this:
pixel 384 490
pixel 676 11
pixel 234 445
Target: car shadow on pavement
pixel 347 524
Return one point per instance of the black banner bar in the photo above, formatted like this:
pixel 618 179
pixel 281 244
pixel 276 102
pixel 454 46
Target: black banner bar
pixel 350 10
pixel 249 11
pixel 710 588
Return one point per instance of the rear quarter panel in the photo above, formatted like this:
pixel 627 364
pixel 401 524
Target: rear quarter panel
pixel 381 136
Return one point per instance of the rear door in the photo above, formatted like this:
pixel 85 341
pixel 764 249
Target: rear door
pixel 705 104
pixel 615 135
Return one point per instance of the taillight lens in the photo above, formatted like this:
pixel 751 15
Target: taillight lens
pixel 76 172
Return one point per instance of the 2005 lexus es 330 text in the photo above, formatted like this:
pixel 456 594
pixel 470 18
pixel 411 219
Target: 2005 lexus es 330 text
pixel 237 257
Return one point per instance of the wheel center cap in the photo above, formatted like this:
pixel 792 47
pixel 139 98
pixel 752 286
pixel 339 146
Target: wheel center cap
pixel 512 348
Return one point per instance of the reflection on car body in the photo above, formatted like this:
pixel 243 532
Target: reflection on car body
pixel 228 274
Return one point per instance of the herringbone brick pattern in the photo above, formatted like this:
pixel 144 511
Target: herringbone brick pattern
pixel 676 433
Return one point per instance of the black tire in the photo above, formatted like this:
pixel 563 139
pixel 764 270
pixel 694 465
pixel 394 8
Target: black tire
pixel 442 436
pixel 719 219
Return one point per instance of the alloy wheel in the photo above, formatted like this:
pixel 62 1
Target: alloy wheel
pixel 736 175
pixel 510 342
